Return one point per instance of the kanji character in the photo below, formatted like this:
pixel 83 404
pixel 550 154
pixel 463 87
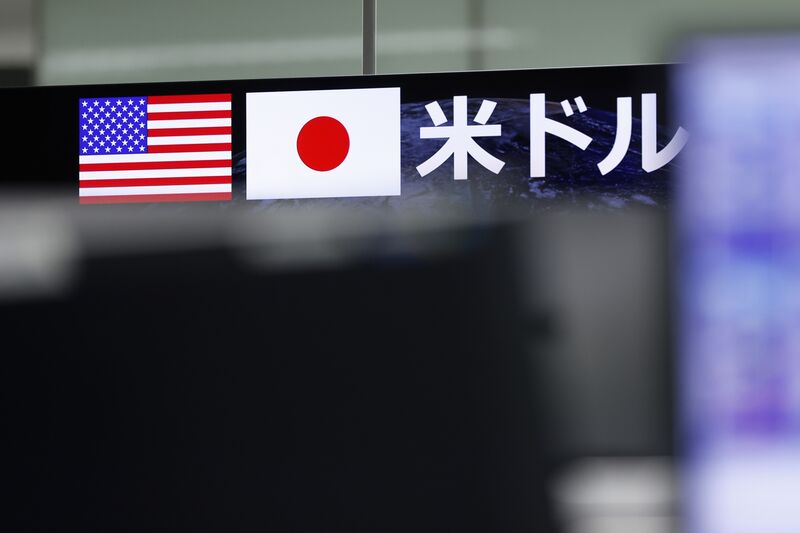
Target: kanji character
pixel 460 138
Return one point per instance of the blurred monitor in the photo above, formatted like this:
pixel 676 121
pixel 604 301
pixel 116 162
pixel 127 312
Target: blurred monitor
pixel 738 217
pixel 222 389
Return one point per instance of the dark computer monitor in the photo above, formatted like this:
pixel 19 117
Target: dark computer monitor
pixel 194 391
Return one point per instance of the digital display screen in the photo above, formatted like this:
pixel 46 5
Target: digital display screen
pixel 738 216
pixel 526 139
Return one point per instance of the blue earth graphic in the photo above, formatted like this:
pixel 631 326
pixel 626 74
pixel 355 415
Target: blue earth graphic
pixel 572 177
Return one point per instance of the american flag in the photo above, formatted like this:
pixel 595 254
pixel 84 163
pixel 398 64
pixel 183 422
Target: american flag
pixel 155 149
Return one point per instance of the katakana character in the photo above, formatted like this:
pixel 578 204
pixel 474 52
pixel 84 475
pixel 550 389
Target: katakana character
pixel 541 125
pixel 652 159
pixel 622 141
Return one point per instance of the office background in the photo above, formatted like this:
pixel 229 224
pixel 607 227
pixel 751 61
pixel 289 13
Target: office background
pixel 88 41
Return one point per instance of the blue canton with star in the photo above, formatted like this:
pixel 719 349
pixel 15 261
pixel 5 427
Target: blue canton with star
pixel 113 125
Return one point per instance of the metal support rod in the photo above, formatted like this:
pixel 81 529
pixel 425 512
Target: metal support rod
pixel 369 32
pixel 476 11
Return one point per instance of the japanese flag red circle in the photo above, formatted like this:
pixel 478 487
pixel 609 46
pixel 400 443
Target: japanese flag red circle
pixel 323 144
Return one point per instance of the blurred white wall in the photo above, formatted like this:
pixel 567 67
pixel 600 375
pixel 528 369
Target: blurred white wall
pixel 554 33
pixel 16 33
pixel 151 40
pixel 156 40
pixel 17 42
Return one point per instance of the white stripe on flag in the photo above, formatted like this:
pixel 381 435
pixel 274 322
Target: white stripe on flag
pixel 189 139
pixel 159 189
pixel 188 123
pixel 142 158
pixel 200 106
pixel 156 173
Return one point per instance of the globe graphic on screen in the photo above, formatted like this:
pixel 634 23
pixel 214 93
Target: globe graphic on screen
pixel 572 177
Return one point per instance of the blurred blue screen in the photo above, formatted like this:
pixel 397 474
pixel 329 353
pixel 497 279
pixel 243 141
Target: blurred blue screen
pixel 738 220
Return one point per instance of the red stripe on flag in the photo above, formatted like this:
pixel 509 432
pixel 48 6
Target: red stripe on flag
pixel 144 198
pixel 169 148
pixel 154 165
pixel 149 182
pixel 189 115
pixel 180 132
pixel 188 98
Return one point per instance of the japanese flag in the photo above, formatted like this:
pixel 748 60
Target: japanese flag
pixel 323 144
